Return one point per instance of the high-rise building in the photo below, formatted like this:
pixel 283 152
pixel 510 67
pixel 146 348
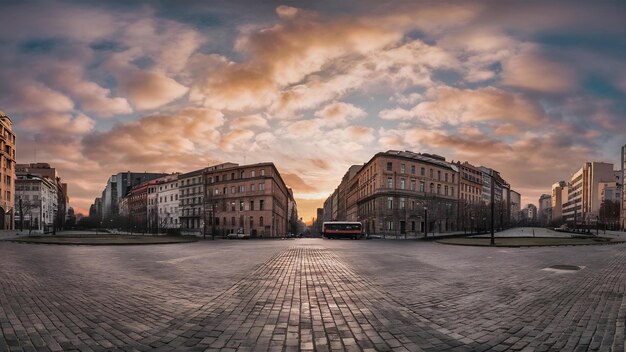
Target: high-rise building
pixel 544 209
pixel 560 194
pixel 118 186
pixel 7 173
pixel 516 206
pixel 584 193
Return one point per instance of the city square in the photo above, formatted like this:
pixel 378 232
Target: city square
pixel 311 295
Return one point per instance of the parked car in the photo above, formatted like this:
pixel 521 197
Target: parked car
pixel 232 236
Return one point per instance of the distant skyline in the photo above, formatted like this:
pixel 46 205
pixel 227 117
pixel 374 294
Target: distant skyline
pixel 532 89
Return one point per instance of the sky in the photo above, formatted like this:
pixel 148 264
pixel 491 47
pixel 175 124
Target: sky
pixel 530 88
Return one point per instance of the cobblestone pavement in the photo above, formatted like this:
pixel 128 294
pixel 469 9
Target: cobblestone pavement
pixel 311 295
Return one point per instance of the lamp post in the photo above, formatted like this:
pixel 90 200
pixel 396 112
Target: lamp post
pixel 425 222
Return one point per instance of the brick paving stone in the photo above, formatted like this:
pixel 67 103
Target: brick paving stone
pixel 310 295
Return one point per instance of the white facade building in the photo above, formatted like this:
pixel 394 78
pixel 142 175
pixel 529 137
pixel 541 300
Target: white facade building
pixel 36 200
pixel 163 203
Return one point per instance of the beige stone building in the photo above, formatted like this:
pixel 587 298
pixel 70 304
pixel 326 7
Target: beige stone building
pixel 560 193
pixel 584 196
pixel 393 191
pixel 7 173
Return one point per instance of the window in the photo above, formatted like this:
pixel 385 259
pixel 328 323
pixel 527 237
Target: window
pixel 252 187
pixel 452 191
pixel 251 222
pixel 232 175
pixel 438 175
pixel 242 174
pixel 402 203
pixel 251 205
pixel 389 166
pixel 403 168
pixel 242 188
pixel 431 173
pixel 241 221
pixel 422 172
pixel 217 179
pixel 261 186
pixel 432 188
pixel 452 178
pixel 261 221
pixel 241 205
pixel 421 186
pixel 390 225
pixel 262 172
pixel 402 183
pixel 389 182
pixel 217 221
pixel 261 204
pixel 389 203
pixel 232 221
pixel 232 206
pixel 445 190
pixel 413 169
pixel 412 185
pixel 252 173
pixel 438 189
pixel 232 189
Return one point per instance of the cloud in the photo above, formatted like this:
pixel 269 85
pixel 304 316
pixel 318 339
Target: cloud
pixel 454 106
pixel 297 184
pixel 146 89
pixel 338 113
pixel 58 123
pixel 533 72
pixel 162 141
pixel 30 96
pixel 248 121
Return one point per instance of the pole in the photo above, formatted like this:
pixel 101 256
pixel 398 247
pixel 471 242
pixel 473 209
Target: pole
pixel 493 191
pixel 204 199
pixel 425 222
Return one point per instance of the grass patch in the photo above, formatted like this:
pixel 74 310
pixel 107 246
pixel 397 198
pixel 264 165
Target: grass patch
pixel 527 241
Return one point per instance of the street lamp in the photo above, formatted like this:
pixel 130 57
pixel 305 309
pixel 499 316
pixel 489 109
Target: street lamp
pixel 425 222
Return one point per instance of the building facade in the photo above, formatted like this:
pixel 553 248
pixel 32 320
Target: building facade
pixel 560 195
pixel 7 173
pixel 623 189
pixel 584 194
pixel 395 190
pixel 118 186
pixel 45 170
pixel 250 199
pixel 544 211
pixel 191 205
pixel 516 206
pixel 36 200
pixel 470 183
pixel 163 203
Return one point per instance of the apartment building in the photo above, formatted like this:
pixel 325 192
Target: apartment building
pixel 163 204
pixel 45 170
pixel 251 199
pixel 191 206
pixel 7 173
pixel 584 194
pixel 560 195
pixel 394 190
pixel 516 206
pixel 118 186
pixel 36 202
pixel 470 183
pixel 544 211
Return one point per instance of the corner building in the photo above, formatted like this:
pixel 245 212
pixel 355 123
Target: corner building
pixel 396 190
pixel 251 199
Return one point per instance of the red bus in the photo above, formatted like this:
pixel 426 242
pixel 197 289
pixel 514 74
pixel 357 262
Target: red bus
pixel 342 229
